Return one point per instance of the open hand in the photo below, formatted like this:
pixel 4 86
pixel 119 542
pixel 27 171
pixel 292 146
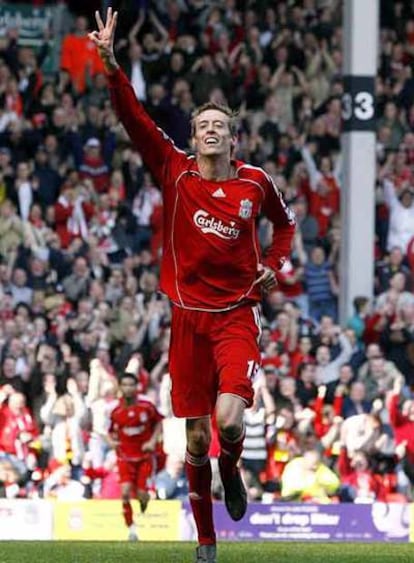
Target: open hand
pixel 104 38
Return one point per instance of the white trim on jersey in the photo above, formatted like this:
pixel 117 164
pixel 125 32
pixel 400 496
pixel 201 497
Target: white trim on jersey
pixel 289 213
pixel 247 165
pixel 202 310
pixel 180 176
pixel 250 181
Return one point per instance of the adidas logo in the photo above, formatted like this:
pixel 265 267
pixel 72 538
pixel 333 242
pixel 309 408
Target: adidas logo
pixel 219 193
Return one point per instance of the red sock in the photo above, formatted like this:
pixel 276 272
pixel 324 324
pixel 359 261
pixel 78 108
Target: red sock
pixel 127 512
pixel 198 470
pixel 229 456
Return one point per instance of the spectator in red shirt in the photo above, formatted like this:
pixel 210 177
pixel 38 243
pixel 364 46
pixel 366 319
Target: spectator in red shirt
pixel 324 194
pixel 359 483
pixel 72 212
pixel 402 422
pixel 17 427
pixel 302 355
pixel 285 333
pixel 63 209
pixel 93 166
pixel 290 283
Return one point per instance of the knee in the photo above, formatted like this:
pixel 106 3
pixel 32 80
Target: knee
pixel 229 429
pixel 198 440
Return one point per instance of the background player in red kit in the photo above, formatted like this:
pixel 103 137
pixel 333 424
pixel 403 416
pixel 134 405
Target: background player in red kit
pixel 213 273
pixel 134 432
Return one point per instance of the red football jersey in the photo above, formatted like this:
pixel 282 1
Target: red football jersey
pixel 210 247
pixel 133 425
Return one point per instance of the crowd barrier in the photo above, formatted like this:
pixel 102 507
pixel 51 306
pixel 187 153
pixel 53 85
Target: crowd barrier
pixel 172 521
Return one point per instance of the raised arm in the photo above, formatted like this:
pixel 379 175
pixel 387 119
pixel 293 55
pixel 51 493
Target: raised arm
pixel 160 28
pixel 157 150
pixel 132 35
pixel 396 417
pixel 390 196
pixel 314 173
pixel 314 65
pixel 346 350
pixel 276 76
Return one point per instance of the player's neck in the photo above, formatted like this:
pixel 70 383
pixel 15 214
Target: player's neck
pixel 216 168
pixel 130 401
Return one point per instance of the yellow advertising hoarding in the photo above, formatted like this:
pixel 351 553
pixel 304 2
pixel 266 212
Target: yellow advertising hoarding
pixel 97 520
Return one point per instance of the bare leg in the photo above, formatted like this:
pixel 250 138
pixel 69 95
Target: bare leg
pixel 230 411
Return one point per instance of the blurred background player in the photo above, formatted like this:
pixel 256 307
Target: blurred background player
pixel 134 432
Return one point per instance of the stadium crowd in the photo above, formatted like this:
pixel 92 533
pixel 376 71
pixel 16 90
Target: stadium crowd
pixel 80 241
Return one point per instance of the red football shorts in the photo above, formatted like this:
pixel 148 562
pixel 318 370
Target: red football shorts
pixel 137 473
pixel 210 354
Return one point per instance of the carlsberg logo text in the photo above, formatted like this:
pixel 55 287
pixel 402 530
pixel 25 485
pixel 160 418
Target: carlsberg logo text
pixel 209 224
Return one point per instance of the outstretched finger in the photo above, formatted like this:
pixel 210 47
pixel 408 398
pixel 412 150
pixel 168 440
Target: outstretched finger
pixel 99 20
pixel 113 22
pixel 108 21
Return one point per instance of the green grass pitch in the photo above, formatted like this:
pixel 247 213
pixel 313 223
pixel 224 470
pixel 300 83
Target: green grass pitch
pixel 183 552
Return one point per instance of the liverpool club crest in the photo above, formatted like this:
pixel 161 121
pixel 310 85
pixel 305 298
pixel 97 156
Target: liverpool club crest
pixel 246 207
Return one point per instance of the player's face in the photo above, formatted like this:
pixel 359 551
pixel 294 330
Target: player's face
pixel 212 135
pixel 128 388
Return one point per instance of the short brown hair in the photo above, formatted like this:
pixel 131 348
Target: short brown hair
pixel 232 114
pixel 359 303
